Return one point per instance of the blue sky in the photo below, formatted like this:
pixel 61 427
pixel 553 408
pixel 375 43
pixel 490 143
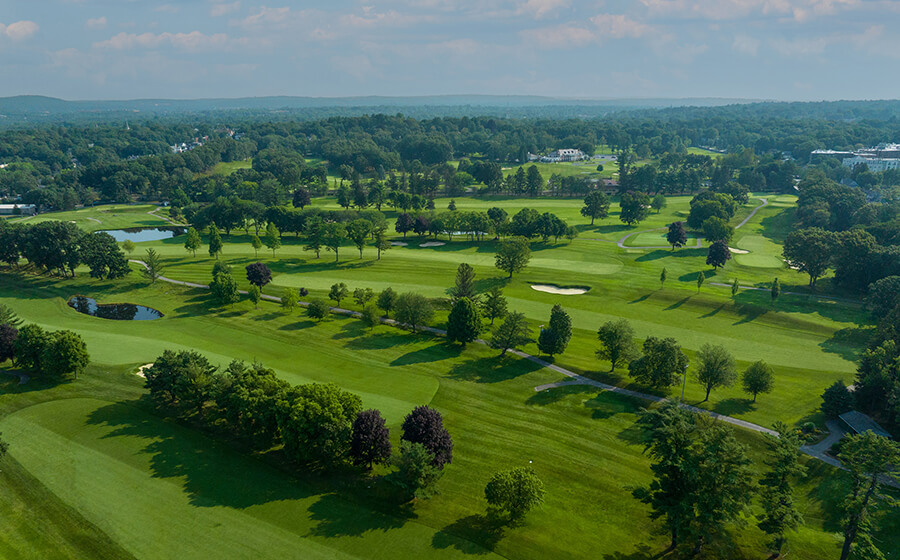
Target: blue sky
pixel 761 49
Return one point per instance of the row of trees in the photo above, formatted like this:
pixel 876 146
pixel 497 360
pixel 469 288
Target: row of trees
pixel 52 355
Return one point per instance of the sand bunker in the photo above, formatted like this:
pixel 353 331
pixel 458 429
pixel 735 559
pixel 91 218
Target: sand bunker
pixel 550 289
pixel 141 369
pixel 399 244
pixel 738 251
pixel 432 244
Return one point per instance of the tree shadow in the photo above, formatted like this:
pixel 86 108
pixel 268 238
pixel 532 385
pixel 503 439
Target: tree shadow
pixel 733 406
pixel 830 492
pixel 556 394
pixel 849 341
pixel 433 353
pixel 607 404
pixel 679 303
pixel 692 276
pixel 494 369
pixel 340 517
pixel 642 298
pixel 382 340
pixel 351 329
pixel 657 254
pixel 298 326
pixel 714 312
pixel 643 552
pixel 632 435
pixel 474 534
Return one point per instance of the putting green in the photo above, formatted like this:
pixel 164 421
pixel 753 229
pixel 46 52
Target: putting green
pixel 133 475
pixel 763 252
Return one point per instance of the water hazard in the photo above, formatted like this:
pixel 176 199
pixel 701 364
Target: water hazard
pixel 114 311
pixel 137 235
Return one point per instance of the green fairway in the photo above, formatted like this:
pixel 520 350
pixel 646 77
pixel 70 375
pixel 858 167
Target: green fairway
pixel 112 216
pixel 229 167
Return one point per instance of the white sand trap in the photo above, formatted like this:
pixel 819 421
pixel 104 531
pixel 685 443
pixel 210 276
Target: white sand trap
pixel 432 244
pixel 738 251
pixel 141 369
pixel 791 267
pixel 399 244
pixel 558 291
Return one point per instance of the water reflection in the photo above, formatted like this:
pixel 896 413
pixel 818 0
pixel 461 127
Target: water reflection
pixel 137 235
pixel 114 311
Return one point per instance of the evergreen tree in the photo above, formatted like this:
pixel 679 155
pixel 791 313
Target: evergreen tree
pixel 735 287
pixel 224 289
pixel 494 304
pixel 555 338
pixel 153 267
pixel 776 290
pixel 255 295
pixel 663 276
pixel 465 283
pixel 464 321
pixel 700 279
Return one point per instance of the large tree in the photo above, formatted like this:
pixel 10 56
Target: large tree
pixel 425 425
pixel 616 342
pixel 465 283
pixel 810 250
pixel 634 207
pixel 717 229
pixel 413 310
pixel 316 422
pixel 464 321
pixel 370 441
pixel 64 355
pixel 358 232
pixel 153 267
pixel 554 338
pixel 661 364
pixel 272 239
pixel 515 492
pixel 513 255
pixel 215 241
pixel 192 241
pixel 338 292
pixel 8 335
pixel 493 306
pixel 29 347
pixel 758 378
pixel 777 497
pixel 416 472
pixel 258 274
pixel 717 368
pixel 315 235
pixel 676 236
pixel 596 205
pixel 718 254
pixel 404 223
pixel 512 333
pixel 387 299
pixel 101 253
pixel 334 236
pixel 224 289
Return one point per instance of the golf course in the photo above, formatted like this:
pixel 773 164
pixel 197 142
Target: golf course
pixel 93 471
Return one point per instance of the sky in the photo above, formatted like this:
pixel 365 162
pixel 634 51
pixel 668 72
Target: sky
pixel 751 49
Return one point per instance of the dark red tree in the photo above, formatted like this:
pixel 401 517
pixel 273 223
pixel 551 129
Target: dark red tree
pixel 426 426
pixel 370 441
pixel 301 198
pixel 718 254
pixel 421 225
pixel 404 223
pixel 258 274
pixel 8 335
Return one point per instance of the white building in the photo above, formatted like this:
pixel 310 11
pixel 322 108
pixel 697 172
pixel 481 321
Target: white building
pixel 875 164
pixel 564 154
pixel 24 209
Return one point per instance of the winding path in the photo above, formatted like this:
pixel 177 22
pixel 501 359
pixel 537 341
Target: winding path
pixel 155 215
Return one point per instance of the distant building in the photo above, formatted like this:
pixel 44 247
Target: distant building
pixel 858 423
pixel 875 164
pixel 23 209
pixel 564 154
pixel 878 158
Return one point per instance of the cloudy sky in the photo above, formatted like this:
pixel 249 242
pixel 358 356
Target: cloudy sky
pixel 761 49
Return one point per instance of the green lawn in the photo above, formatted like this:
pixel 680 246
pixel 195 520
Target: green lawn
pixel 108 216
pixel 229 167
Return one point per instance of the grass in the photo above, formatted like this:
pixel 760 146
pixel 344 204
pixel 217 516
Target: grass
pixel 128 474
pixel 109 216
pixel 93 461
pixel 226 168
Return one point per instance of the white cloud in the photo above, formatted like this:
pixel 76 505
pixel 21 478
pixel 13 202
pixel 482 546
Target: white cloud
pixel 189 41
pixel 96 23
pixel 542 8
pixel 799 10
pixel 619 26
pixel 222 8
pixel 20 30
pixel 560 36
pixel 745 44
pixel 266 16
pixel 370 18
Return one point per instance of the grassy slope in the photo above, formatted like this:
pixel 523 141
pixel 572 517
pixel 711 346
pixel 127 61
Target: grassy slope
pixel 581 442
pixel 112 216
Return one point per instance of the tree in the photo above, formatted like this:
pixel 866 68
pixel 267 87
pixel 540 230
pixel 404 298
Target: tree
pixel 258 274
pixel 676 236
pixel 256 243
pixel 416 473
pixel 663 276
pixel 661 364
pixel 616 342
pixel 658 202
pixel 192 241
pixel 8 335
pixel 777 497
pixel 128 246
pixel 493 306
pixel 382 243
pixel 883 296
pixel 358 231
pixel 318 308
pixel 362 296
pixel 224 289
pixel 315 235
pixel 513 255
pixel 717 229
pixel 101 253
pixel 633 207
pixel 700 279
pixel 452 206
pixel 334 236
pixel 555 338
pixel 338 292
pixel 404 224
pixel 153 267
pixel 255 295
pixel 425 425
pixel 717 368
pixel 272 239
pixel 464 321
pixel 370 442
pixel 413 310
pixel 735 286
pixel 215 241
pixel 301 198
pixel 758 378
pixel 516 492
pixel 386 300
pixel 179 378
pixel 29 347
pixel 369 316
pixel 836 400
pixel 776 290
pixel 9 317
pixel 465 283
pixel 718 254
pixel 596 205
pixel 810 250
pixel 316 422
pixel 289 299
pixel 870 459
pixel 64 355
pixel 512 333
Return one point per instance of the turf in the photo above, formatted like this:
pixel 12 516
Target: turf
pixel 112 216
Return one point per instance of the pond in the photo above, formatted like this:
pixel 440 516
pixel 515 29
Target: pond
pixel 114 311
pixel 136 235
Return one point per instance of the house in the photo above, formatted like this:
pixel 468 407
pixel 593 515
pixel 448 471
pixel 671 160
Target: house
pixel 564 154
pixel 858 423
pixel 18 210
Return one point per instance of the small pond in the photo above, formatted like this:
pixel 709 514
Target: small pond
pixel 136 235
pixel 114 311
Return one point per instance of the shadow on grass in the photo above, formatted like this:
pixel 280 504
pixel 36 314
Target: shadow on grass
pixel 556 394
pixel 849 342
pixel 339 517
pixel 663 253
pixel 433 353
pixel 493 369
pixel 709 275
pixel 298 326
pixel 606 405
pixel 643 552
pixel 678 303
pixel 351 329
pixel 714 312
pixel 733 406
pixel 382 340
pixel 474 534
pixel 642 298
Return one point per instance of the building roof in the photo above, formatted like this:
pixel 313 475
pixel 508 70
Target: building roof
pixel 859 423
pixel 12 206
